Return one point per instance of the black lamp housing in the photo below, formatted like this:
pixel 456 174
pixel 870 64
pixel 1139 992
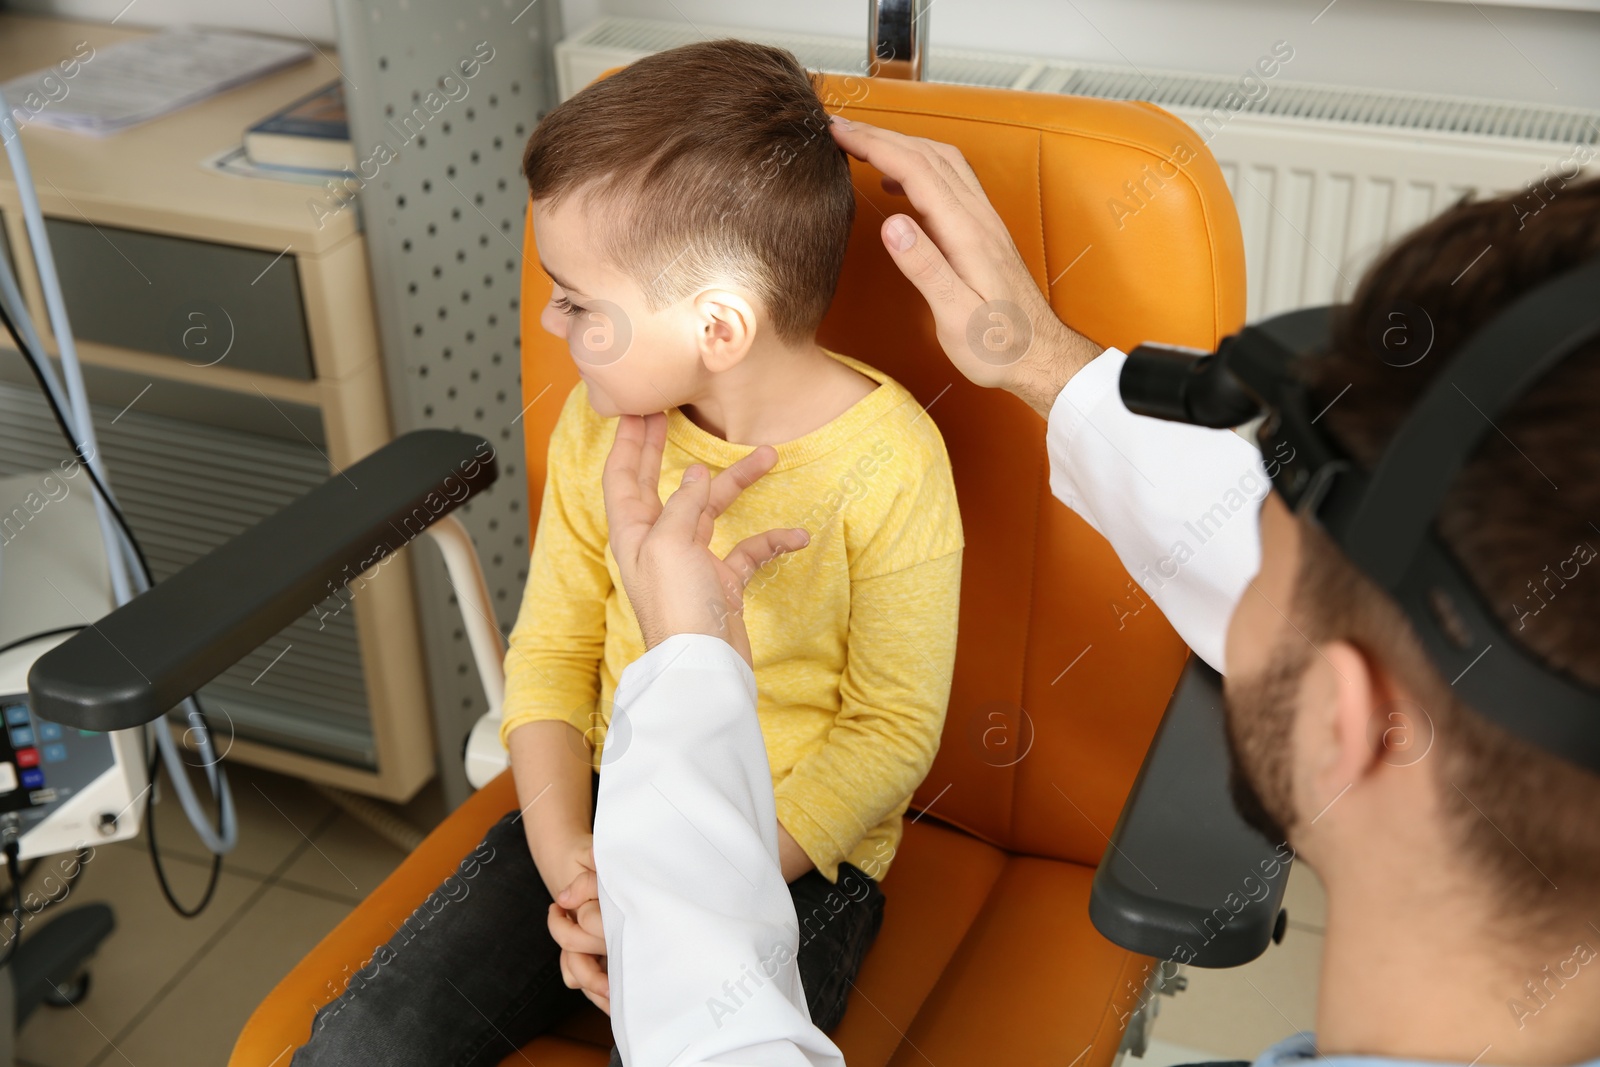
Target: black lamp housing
pixel 1383 520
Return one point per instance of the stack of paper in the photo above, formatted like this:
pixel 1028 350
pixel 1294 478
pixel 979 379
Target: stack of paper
pixel 134 81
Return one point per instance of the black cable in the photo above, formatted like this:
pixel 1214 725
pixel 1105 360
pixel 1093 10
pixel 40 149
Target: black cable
pixel 34 361
pixel 68 882
pixel 40 636
pixel 16 902
pixel 155 853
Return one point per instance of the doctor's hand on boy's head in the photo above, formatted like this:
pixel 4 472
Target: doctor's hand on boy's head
pixel 673 580
pixel 992 320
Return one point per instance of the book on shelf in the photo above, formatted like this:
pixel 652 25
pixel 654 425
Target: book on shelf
pixel 311 134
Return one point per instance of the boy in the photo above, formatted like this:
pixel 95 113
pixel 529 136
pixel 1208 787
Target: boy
pixel 693 212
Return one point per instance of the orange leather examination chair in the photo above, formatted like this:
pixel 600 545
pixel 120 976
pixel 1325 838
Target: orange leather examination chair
pixel 987 954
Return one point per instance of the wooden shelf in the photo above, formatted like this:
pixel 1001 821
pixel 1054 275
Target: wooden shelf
pixel 165 367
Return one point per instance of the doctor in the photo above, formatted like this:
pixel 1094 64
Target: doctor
pixel 1463 882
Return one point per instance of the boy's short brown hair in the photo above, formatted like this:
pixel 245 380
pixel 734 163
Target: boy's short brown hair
pixel 705 162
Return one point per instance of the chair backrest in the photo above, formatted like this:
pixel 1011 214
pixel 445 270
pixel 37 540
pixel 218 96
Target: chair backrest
pixel 1124 219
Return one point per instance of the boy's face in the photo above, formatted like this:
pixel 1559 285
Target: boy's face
pixel 635 361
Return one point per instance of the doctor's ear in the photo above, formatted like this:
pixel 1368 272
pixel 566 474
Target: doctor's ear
pixel 1348 734
pixel 725 328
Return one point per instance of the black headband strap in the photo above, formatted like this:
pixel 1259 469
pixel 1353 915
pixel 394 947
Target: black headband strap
pixel 1459 408
pixel 1384 521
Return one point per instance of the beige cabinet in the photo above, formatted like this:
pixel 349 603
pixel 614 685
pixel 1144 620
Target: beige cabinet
pixel 227 332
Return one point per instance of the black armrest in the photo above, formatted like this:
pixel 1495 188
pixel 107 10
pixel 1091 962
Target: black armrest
pixel 1186 878
pixel 144 658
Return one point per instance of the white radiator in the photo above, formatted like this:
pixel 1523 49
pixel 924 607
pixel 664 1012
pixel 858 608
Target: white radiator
pixel 1323 176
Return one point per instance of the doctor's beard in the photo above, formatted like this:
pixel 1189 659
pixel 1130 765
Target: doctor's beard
pixel 1259 716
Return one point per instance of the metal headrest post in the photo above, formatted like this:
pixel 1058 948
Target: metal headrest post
pixel 897 40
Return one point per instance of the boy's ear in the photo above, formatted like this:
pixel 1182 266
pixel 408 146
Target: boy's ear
pixel 726 328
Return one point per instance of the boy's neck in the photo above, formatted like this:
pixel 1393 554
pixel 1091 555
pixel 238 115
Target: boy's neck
pixel 777 393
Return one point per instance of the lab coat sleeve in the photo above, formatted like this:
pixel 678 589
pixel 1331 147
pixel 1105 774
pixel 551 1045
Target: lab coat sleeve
pixel 701 934
pixel 1178 503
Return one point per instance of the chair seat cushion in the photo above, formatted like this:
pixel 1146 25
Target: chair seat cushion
pixel 969 933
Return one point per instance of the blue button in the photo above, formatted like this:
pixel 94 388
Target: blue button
pixel 54 753
pixel 20 736
pixel 32 778
pixel 49 731
pixel 17 714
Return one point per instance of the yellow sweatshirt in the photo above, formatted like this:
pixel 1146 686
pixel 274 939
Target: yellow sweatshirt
pixel 854 636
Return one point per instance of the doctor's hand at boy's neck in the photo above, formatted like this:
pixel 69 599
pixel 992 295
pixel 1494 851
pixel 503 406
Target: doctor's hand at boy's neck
pixel 712 354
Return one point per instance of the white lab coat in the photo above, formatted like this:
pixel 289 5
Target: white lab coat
pixel 701 933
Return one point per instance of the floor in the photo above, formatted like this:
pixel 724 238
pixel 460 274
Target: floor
pixel 175 992
pixel 1234 1014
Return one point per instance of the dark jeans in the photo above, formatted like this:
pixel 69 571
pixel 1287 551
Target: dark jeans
pixel 473 973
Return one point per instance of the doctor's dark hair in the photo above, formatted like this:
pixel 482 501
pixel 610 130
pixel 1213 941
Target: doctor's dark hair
pixel 1523 519
pixel 706 162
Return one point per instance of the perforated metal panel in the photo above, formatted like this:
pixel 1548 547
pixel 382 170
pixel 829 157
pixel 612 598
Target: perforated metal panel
pixel 442 98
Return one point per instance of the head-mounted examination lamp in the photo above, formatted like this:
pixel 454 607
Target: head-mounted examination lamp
pixel 1383 520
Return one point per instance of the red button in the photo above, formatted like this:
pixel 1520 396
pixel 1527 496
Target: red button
pixel 27 757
